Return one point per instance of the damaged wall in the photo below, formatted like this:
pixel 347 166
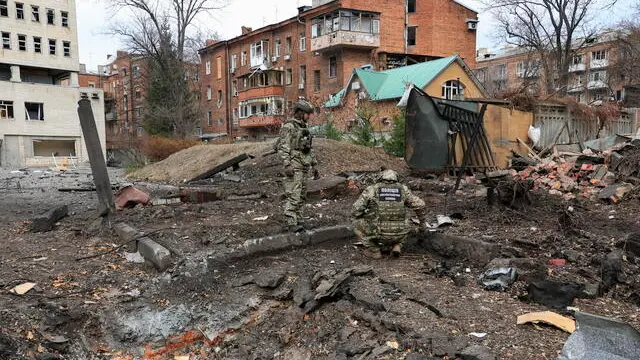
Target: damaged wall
pixel 503 127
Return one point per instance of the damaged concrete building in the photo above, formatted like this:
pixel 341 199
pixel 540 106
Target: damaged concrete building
pixel 39 90
pixel 251 81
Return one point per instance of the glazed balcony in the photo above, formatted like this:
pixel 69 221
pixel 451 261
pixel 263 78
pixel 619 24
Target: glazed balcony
pixel 259 92
pixel 255 121
pixel 343 38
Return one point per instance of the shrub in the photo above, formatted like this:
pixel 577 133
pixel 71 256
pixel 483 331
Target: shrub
pixel 395 144
pixel 364 134
pixel 157 148
pixel 332 132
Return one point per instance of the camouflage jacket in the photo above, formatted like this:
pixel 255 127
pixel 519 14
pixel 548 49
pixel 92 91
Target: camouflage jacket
pixel 294 144
pixel 384 206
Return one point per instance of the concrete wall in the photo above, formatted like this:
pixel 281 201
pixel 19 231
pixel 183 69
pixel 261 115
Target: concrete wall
pixel 60 121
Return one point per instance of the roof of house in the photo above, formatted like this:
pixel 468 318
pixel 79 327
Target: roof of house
pixel 391 84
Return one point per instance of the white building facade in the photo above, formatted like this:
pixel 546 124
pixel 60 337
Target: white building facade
pixel 39 91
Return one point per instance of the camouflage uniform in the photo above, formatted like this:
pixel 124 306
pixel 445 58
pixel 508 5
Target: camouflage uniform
pixel 379 214
pixel 294 147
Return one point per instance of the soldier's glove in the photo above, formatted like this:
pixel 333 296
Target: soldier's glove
pixel 316 174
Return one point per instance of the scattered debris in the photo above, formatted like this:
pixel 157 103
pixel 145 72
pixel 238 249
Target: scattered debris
pixel 198 195
pixel 47 221
pixel 129 197
pixel 498 278
pixel 553 294
pixel 261 218
pixel 326 188
pixel 548 317
pixel 22 288
pixel 233 162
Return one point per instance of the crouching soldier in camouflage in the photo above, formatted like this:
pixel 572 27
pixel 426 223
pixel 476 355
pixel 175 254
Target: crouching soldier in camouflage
pixel 380 217
pixel 294 147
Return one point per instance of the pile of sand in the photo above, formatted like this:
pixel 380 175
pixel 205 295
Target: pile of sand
pixel 334 157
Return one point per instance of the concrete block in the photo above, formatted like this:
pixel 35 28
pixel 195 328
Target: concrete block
pixel 472 250
pixel 155 253
pixel 326 187
pixel 322 235
pixel 46 221
pixel 272 243
pixel 125 232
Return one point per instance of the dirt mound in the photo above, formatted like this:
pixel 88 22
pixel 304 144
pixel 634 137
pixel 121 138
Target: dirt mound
pixel 334 157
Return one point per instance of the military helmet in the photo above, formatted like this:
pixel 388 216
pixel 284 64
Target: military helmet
pixel 389 175
pixel 303 106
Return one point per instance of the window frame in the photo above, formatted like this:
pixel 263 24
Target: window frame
pixel 6 40
pixel 4 8
pixel 333 66
pixel 64 19
pixel 415 35
pixel 51 17
pixel 7 107
pixel 55 46
pixel 40 111
pixel 35 13
pixel 22 43
pixel 19 11
pixel 66 48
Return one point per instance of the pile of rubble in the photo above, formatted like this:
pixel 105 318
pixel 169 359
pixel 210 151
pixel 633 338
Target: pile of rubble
pixel 607 175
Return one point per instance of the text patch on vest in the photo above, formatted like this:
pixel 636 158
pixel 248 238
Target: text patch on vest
pixel 390 194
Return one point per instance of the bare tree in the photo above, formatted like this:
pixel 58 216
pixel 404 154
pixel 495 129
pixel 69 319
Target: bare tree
pixel 164 32
pixel 554 29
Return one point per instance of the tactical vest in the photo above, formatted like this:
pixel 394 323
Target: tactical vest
pixel 391 211
pixel 303 140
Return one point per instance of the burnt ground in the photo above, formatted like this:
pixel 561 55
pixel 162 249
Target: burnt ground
pixel 108 307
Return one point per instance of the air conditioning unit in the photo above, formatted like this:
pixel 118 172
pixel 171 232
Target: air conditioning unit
pixel 300 86
pixel 84 95
pixel 287 57
pixel 355 85
pixel 95 96
pixel 274 58
pixel 472 24
pixel 235 94
pixel 232 70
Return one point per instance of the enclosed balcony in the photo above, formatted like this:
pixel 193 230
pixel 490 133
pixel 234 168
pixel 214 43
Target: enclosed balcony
pixel 345 28
pixel 263 111
pixel 261 84
pixel 577 67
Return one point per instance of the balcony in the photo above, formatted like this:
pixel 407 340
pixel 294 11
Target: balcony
pixel 596 84
pixel 577 67
pixel 261 120
pixel 597 64
pixel 343 38
pixel 111 116
pixel 258 92
pixel 575 88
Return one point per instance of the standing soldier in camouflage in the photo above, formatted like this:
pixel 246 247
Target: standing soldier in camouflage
pixel 380 217
pixel 294 147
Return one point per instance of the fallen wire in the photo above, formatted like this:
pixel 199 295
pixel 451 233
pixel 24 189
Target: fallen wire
pixel 123 244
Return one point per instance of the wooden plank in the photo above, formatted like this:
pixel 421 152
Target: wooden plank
pixel 221 167
pixel 548 317
pixel 531 152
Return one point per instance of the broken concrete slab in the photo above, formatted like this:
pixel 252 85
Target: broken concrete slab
pixel 155 253
pixel 129 197
pixel 450 246
pixel 199 195
pixel 477 352
pixel 46 221
pixel 233 162
pixel 338 232
pixel 326 187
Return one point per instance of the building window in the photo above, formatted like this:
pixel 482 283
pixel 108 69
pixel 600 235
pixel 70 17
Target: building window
pixel 4 8
pixel 303 76
pixel 196 76
pixel 37 44
pixel 289 76
pixel 207 67
pixel 52 46
pixel 316 80
pixel 577 59
pixel 35 13
pixel 33 111
pixel 234 87
pixel 219 67
pixel 411 35
pixel 209 122
pixel 276 48
pixel 287 45
pixel 51 17
pixel 279 78
pixel 258 53
pixel 303 41
pixel 92 84
pixel 6 40
pixel 333 66
pixel 66 48
pixel 243 58
pixel 208 92
pixel 123 72
pixel 219 98
pixel 22 42
pixel 139 131
pixel 136 71
pixel 65 18
pixel 137 112
pixel 411 6
pixel 452 89
pixel 598 76
pixel 138 95
pixel 20 11
pixel 345 20
pixel 234 62
pixel 6 109
pixel 599 55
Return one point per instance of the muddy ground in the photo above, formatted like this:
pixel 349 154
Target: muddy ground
pixel 420 306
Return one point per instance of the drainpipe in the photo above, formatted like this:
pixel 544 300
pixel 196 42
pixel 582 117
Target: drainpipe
pixel 228 86
pixel 406 24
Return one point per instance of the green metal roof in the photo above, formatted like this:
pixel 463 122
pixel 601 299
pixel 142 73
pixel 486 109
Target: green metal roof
pixel 391 84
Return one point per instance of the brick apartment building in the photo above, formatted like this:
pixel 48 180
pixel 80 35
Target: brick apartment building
pixel 251 81
pixel 588 73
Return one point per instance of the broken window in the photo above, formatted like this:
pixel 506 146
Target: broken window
pixel 303 76
pixel 303 41
pixel 22 42
pixel 65 18
pixel 333 66
pixel 289 76
pixel 54 147
pixel 209 122
pixel 35 13
pixel 33 111
pixel 219 98
pixel 6 40
pixel 316 80
pixel 20 11
pixel 452 90
pixel 287 45
pixel 411 6
pixel 51 17
pixel 209 93
pixel 52 46
pixel 4 8
pixel 411 35
pixel 66 48
pixel 37 44
pixel 6 109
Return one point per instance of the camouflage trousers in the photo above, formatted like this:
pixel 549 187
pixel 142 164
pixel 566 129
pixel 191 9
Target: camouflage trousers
pixel 369 235
pixel 295 191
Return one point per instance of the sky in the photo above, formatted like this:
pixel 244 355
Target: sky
pixel 94 16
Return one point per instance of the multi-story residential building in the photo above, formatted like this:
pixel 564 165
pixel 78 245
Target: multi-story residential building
pixel 588 78
pixel 251 81
pixel 39 87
